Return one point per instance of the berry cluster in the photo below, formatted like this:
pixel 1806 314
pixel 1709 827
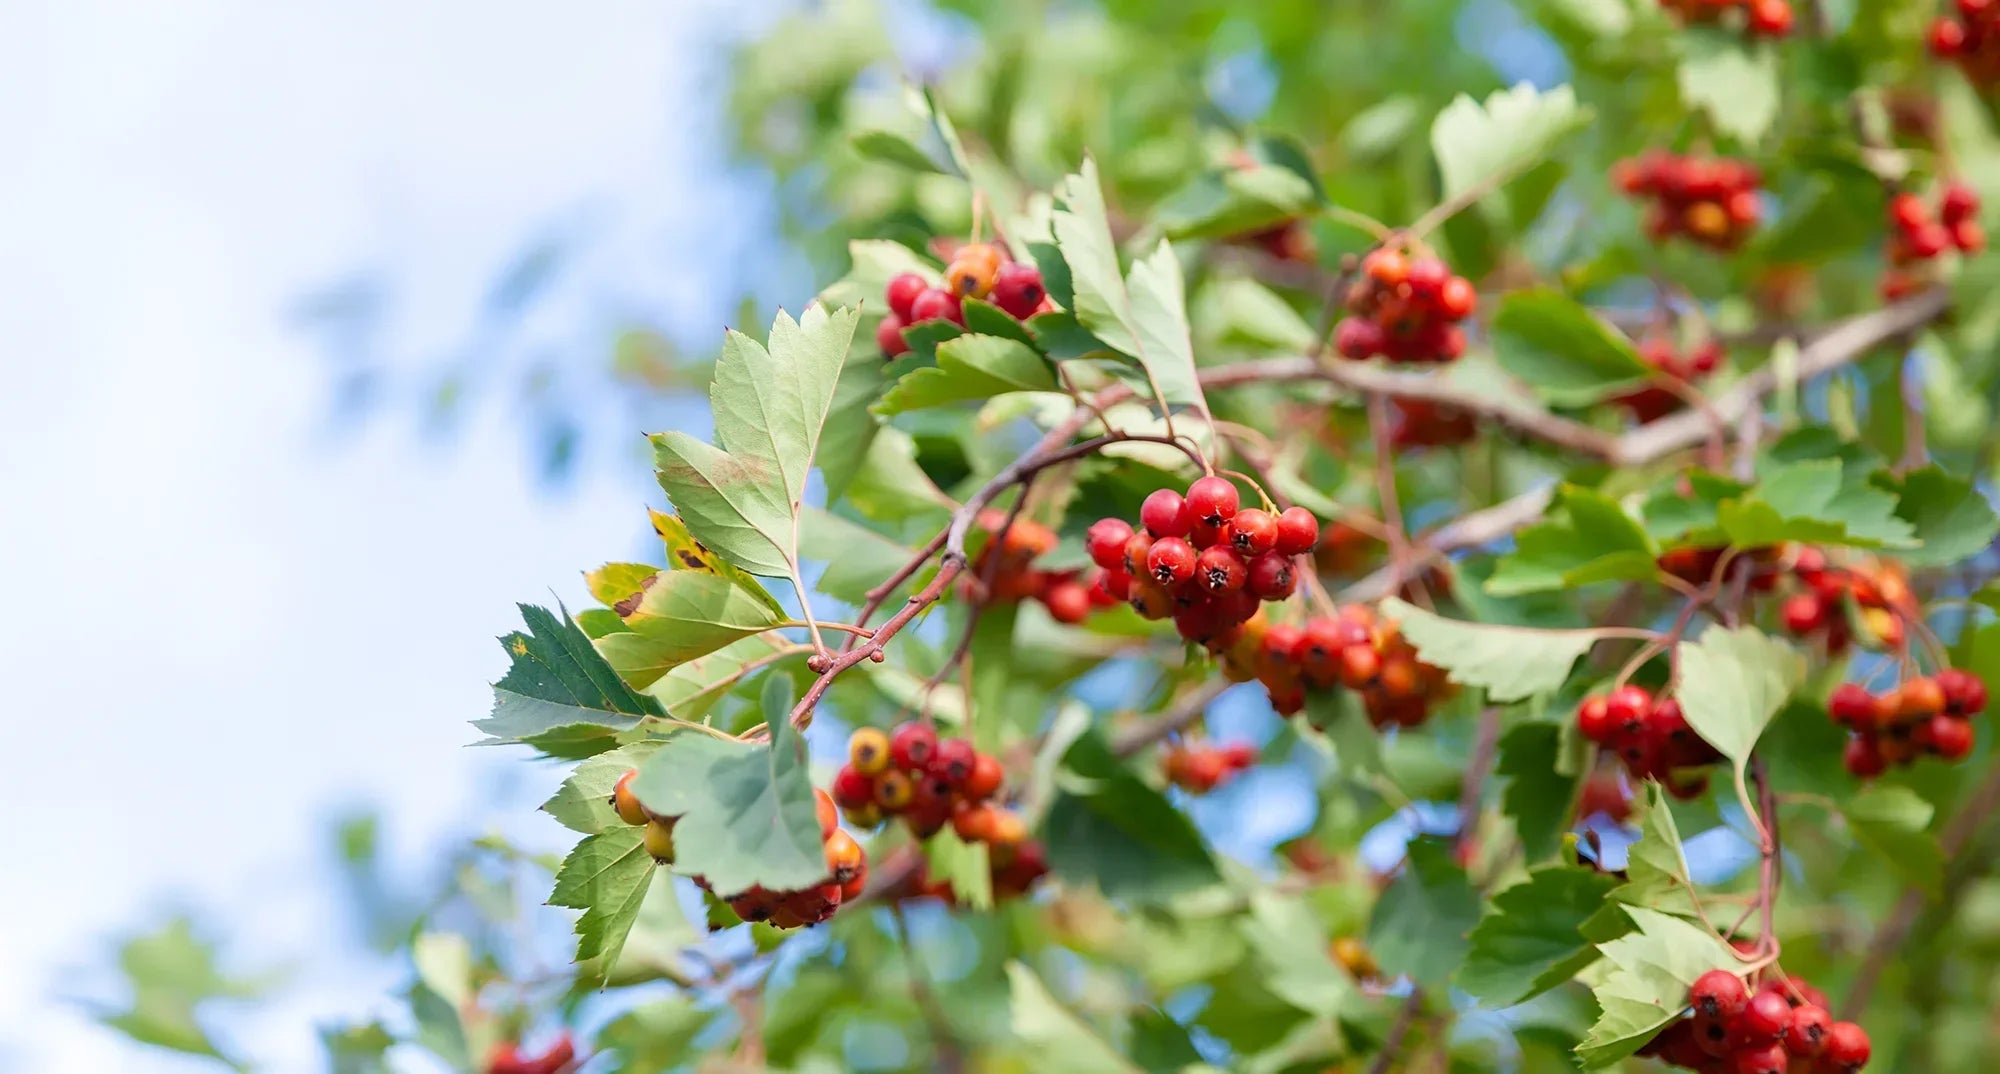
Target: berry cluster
pixel 977 270
pixel 1200 769
pixel 1012 868
pixel 846 864
pixel 506 1058
pixel 1780 1028
pixel 1761 18
pixel 1405 308
pixel 1918 236
pixel 1712 201
pixel 1656 401
pixel 1356 649
pixel 1879 590
pixel 1970 37
pixel 1200 559
pixel 1922 715
pixel 1650 735
pixel 912 773
pixel 1009 557
pixel 1415 423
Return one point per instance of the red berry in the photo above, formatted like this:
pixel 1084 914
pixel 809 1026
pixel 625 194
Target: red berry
pixel 1846 1049
pixel 1928 241
pixel 1863 757
pixel 1106 542
pixel 1067 602
pixel 1770 1059
pixel 1718 994
pixel 1164 515
pixel 1427 277
pixel 1806 1036
pixel 936 304
pixel 851 789
pixel 1221 570
pixel 1763 1022
pixel 1851 705
pixel 1018 289
pixel 1968 236
pixel 1253 532
pixel 902 293
pixel 1804 613
pixel 1950 737
pixel 1136 548
pixel 1298 531
pixel 1386 267
pixel 1964 692
pixel 1358 338
pixel 1115 583
pixel 1171 561
pixel 1280 647
pixel 912 745
pixel 1593 720
pixel 1770 18
pixel 1272 577
pixel 1908 212
pixel 1627 708
pixel 889 337
pixel 953 761
pixel 1211 501
pixel 1959 202
pixel 1457 298
pixel 984 782
pixel 1947 37
pixel 1975 10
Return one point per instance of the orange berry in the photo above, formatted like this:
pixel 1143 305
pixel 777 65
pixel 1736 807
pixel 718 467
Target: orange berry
pixel 626 802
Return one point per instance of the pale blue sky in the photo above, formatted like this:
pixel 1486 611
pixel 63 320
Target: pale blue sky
pixel 223 622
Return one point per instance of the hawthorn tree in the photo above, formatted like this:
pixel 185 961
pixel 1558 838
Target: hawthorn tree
pixel 1560 470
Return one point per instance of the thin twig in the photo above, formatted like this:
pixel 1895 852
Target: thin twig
pixel 1393 1043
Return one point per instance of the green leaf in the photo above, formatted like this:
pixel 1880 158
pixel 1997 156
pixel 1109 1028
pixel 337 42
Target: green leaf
pixel 1954 519
pixel 931 143
pixel 1420 923
pixel 893 148
pixel 654 945
pixel 173 976
pixel 1143 315
pixel 857 558
pixel 1814 501
pixel 616 582
pixel 1537 796
pixel 583 803
pixel 686 553
pixel 1233 201
pixel 1509 663
pixel 965 866
pixel 872 263
pixel 1649 985
pixel 1342 726
pixel 746 810
pixel 1891 822
pixel 740 497
pixel 657 1035
pixel 1594 541
pixel 1293 955
pixel 692 688
pixel 1513 130
pixel 559 695
pixel 606 877
pixel 1243 312
pixel 1058 1042
pixel 1732 683
pixel 1562 350
pixel 682 615
pixel 1656 870
pixel 970 367
pixel 1109 826
pixel 357 1049
pixel 1531 942
pixel 1734 81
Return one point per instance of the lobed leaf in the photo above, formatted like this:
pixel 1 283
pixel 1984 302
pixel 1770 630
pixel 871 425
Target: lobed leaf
pixel 1654 966
pixel 1510 663
pixel 559 695
pixel 1532 939
pixel 1486 143
pixel 1732 682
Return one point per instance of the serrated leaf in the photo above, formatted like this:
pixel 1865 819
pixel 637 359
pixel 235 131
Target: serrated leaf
pixel 605 876
pixel 1420 923
pixel 559 695
pixel 686 553
pixel 1562 350
pixel 1509 663
pixel 740 496
pixel 1954 519
pixel 1536 796
pixel 1057 1040
pixel 1530 942
pixel 1732 682
pixel 583 803
pixel 1143 315
pixel 1656 870
pixel 1486 143
pixel 746 810
pixel 1592 541
pixel 692 688
pixel 872 263
pixel 970 367
pixel 1733 80
pixel 1648 987
pixel 682 615
pixel 1891 822
pixel 1814 501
